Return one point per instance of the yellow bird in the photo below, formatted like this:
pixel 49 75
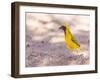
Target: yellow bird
pixel 69 38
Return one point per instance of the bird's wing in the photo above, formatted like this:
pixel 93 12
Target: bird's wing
pixel 75 41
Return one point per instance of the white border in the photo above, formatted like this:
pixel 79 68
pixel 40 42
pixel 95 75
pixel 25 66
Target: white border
pixel 38 70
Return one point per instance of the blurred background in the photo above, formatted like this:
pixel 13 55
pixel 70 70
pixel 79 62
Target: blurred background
pixel 45 45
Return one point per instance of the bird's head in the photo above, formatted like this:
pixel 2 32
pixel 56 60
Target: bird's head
pixel 62 28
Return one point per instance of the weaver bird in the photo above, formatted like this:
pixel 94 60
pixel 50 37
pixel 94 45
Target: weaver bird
pixel 70 41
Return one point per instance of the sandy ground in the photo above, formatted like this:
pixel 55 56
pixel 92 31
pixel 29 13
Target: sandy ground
pixel 45 45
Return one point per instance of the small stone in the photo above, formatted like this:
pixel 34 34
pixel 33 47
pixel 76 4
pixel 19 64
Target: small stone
pixel 27 45
pixel 42 41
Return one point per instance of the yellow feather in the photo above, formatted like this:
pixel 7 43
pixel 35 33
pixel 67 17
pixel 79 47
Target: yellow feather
pixel 69 39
